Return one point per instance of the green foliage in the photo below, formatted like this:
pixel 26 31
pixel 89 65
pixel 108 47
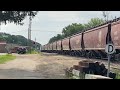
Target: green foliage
pixel 32 52
pixel 117 76
pixel 5 58
pixel 72 29
pixel 55 38
pixel 93 22
pixel 117 71
pixel 16 39
pixel 76 28
pixel 15 16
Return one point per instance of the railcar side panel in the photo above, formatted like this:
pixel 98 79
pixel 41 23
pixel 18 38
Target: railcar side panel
pixel 54 46
pixel 65 44
pixel 75 42
pixel 50 46
pixel 59 45
pixel 115 34
pixel 96 39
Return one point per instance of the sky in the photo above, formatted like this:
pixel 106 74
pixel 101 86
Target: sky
pixel 47 24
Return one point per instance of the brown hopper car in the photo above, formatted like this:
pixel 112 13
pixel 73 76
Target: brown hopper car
pixel 59 45
pixel 54 46
pixel 65 44
pixel 91 43
pixel 75 42
pixel 95 39
pixel 115 34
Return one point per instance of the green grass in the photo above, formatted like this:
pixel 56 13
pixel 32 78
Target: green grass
pixel 32 52
pixel 117 71
pixel 5 58
pixel 117 76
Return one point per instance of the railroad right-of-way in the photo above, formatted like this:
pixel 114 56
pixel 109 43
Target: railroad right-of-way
pixel 41 66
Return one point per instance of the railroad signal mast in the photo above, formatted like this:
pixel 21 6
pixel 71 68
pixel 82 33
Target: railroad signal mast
pixel 109 49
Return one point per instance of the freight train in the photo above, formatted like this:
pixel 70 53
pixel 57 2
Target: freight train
pixel 89 43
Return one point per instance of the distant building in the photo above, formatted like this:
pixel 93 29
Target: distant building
pixel 3 47
pixel 13 47
pixel 14 50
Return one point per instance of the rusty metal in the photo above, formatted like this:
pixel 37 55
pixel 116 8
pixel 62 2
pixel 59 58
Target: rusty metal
pixel 75 42
pixel 50 46
pixel 115 34
pixel 65 44
pixel 95 39
pixel 59 45
pixel 54 46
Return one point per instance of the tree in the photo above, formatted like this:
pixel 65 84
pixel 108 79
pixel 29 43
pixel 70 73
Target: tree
pixel 72 29
pixel 15 39
pixel 93 22
pixel 59 36
pixel 15 16
pixel 56 38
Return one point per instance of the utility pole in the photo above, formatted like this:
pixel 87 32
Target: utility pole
pixel 35 45
pixel 29 32
pixel 106 15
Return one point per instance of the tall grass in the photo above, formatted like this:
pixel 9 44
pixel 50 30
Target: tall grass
pixel 32 52
pixel 117 72
pixel 7 57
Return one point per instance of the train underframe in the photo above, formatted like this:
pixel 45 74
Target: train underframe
pixel 91 54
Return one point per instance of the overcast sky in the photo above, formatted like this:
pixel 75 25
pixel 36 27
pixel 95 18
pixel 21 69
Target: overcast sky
pixel 47 24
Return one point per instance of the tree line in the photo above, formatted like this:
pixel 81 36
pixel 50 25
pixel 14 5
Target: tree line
pixel 76 28
pixel 17 39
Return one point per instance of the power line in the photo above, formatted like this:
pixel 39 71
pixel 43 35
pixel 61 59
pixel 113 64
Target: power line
pixel 13 32
pixel 46 31
pixel 33 31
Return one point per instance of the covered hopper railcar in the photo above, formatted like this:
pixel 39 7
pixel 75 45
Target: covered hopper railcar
pixel 91 43
pixel 75 44
pixel 59 46
pixel 54 47
pixel 95 42
pixel 66 46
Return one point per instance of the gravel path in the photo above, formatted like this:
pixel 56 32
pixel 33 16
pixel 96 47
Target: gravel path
pixel 21 68
pixel 35 66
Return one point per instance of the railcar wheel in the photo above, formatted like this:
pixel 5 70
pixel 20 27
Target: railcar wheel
pixel 72 53
pixel 75 54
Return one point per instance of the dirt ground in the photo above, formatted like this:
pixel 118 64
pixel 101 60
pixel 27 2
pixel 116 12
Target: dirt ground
pixel 35 66
pixel 38 66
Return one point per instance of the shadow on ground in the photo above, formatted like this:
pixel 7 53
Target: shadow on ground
pixel 42 73
pixel 19 74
